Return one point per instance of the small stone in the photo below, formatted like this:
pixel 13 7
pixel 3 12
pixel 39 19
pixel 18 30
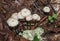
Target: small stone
pixel 28 34
pixel 20 33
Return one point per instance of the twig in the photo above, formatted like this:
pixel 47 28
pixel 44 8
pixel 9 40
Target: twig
pixel 53 9
pixel 44 18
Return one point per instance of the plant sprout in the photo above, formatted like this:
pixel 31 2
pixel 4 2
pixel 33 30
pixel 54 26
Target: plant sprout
pixel 52 18
pixel 35 38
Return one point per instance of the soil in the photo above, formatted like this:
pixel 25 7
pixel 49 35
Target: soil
pixel 8 7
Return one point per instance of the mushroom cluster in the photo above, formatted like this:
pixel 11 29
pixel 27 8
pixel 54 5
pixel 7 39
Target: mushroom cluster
pixel 23 14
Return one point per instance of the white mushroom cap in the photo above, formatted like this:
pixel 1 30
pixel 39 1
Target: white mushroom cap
pixel 20 16
pixel 46 9
pixel 12 22
pixel 29 18
pixel 25 12
pixel 14 15
pixel 35 16
pixel 38 19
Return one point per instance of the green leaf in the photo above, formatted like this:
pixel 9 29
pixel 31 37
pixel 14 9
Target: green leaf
pixel 49 18
pixel 55 16
pixel 35 38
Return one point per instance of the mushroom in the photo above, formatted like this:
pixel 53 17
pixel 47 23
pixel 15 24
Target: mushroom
pixel 25 12
pixel 35 16
pixel 20 16
pixel 14 15
pixel 29 18
pixel 12 22
pixel 46 9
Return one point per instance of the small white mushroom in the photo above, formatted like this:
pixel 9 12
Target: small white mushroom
pixel 25 12
pixel 46 9
pixel 20 16
pixel 14 15
pixel 35 16
pixel 29 18
pixel 38 19
pixel 12 22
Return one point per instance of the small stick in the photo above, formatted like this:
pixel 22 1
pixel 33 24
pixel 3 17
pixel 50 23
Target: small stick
pixel 44 18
